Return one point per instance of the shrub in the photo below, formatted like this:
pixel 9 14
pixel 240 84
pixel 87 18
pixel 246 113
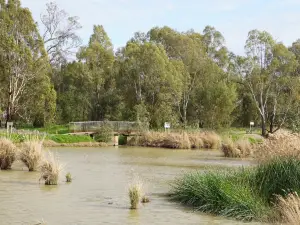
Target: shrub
pixel 104 134
pixel 135 193
pixel 51 169
pixel 31 154
pixel 220 193
pixel 289 208
pixel 8 153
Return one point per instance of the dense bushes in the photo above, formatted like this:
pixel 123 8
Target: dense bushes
pixel 245 194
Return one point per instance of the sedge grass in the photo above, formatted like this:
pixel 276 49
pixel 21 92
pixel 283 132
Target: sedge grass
pixel 31 154
pixel 289 208
pixel 220 193
pixel 51 169
pixel 8 153
pixel 135 192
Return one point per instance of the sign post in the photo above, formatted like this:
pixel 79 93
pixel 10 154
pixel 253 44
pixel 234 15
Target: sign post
pixel 251 125
pixel 167 126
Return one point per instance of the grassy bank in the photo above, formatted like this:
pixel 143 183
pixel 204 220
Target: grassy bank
pixel 245 194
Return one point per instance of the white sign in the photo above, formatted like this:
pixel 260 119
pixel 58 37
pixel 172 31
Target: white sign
pixel 167 125
pixel 251 123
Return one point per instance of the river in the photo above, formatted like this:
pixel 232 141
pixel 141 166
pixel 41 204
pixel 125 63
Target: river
pixel 99 191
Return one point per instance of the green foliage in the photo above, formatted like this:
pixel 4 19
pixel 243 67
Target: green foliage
pixel 69 178
pixel 220 193
pixel 277 177
pixel 104 134
pixel 59 138
pixel 244 194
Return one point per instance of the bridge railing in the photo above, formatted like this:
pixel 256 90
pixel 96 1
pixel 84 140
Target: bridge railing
pixel 116 126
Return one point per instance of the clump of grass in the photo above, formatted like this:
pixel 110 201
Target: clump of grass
pixel 211 140
pixel 279 176
pixel 240 149
pixel 135 193
pixel 245 194
pixel 145 199
pixel 281 144
pixel 31 154
pixel 8 153
pixel 220 193
pixel 196 141
pixel 51 169
pixel 289 208
pixel 68 178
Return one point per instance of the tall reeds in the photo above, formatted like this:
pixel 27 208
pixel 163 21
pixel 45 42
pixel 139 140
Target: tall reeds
pixel 135 193
pixel 289 208
pixel 240 149
pixel 51 169
pixel 180 140
pixel 31 154
pixel 8 153
pixel 244 194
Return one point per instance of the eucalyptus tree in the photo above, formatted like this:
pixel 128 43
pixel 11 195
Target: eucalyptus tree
pixel 23 65
pixel 270 79
pixel 59 34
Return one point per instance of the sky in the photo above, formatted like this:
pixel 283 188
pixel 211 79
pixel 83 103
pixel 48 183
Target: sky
pixel 233 18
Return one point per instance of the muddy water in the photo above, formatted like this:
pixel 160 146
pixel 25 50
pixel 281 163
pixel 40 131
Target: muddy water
pixel 98 194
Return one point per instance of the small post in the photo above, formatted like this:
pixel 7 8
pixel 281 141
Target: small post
pixel 167 126
pixel 251 125
pixel 9 127
pixel 116 140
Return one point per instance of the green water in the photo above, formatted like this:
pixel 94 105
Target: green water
pixel 98 193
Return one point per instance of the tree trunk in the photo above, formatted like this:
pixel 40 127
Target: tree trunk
pixel 263 127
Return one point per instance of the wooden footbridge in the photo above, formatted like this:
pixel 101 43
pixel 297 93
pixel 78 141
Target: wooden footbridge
pixel 125 128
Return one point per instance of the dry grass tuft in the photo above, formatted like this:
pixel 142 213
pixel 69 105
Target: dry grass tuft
pixel 281 144
pixel 289 208
pixel 31 154
pixel 240 149
pixel 196 141
pixel 145 199
pixel 135 192
pixel 8 153
pixel 174 140
pixel 51 169
pixel 211 140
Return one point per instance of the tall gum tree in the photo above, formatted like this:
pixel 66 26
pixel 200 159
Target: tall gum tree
pixel 269 79
pixel 23 59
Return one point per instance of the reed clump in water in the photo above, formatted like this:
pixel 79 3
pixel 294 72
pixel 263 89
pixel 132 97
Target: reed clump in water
pixel 51 169
pixel 8 153
pixel 135 193
pixel 31 154
pixel 244 194
pixel 239 149
pixel 145 199
pixel 180 140
pixel 68 178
